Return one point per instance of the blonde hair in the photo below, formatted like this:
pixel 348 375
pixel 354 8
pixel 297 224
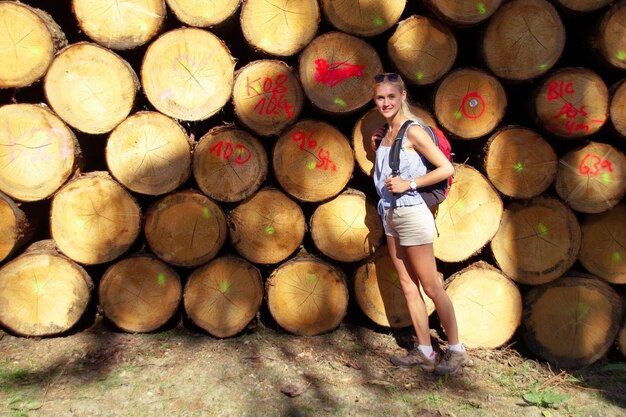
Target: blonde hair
pixel 401 86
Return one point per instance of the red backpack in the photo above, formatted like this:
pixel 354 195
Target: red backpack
pixel 435 193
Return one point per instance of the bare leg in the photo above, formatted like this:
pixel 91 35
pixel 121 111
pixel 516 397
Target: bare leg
pixel 410 288
pixel 421 260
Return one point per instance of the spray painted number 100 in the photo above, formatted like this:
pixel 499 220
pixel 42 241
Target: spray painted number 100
pixel 592 164
pixel 239 154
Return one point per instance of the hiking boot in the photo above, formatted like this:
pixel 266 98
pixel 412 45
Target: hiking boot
pixel 415 357
pixel 451 362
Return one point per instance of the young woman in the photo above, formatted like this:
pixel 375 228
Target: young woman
pixel 409 224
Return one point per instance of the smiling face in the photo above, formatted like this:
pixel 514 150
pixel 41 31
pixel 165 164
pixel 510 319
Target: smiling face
pixel 388 98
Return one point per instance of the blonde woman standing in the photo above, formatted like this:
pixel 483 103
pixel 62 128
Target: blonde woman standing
pixel 409 224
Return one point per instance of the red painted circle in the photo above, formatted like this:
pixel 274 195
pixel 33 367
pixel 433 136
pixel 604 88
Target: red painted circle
pixel 473 95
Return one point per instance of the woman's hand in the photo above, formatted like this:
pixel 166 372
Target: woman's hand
pixel 397 185
pixel 377 137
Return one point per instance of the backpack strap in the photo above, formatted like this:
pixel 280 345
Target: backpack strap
pixel 394 152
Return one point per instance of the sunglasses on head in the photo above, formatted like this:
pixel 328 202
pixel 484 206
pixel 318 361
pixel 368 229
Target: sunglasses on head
pixel 391 76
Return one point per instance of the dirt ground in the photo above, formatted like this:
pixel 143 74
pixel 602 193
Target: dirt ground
pixel 181 371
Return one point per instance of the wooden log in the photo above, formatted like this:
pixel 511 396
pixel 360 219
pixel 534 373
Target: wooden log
pixel 120 24
pixel 280 28
pixel 365 126
pixel 538 240
pixel 523 40
pixel 583 6
pixel 468 218
pixel 185 228
pixel 347 228
pixel 571 102
pixel 28 45
pixel 378 293
pixel 336 71
pixel 267 96
pixel 573 321
pixel 312 160
pixel 90 87
pixel 609 39
pixel 469 103
pixel 203 13
pixel 267 227
pixel 139 294
pixel 519 162
pixel 592 178
pixel 93 219
pixel 307 296
pixel 603 247
pixel 422 49
pixel 487 304
pixel 38 153
pixel 464 13
pixel 187 74
pixel 15 227
pixel 365 18
pixel 42 293
pixel 617 109
pixel 224 296
pixel 229 164
pixel 149 153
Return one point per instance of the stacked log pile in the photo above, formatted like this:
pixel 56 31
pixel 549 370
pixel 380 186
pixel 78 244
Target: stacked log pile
pixel 210 160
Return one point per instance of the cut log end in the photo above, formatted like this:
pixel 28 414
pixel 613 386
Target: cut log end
pixel 185 228
pixel 149 153
pixel 229 164
pixel 188 85
pixel 307 296
pixel 224 296
pixel 423 49
pixel 268 227
pixel 139 294
pixel 93 219
pixel 573 321
pixel 105 94
pixel 524 39
pixel 101 21
pixel 469 103
pixel 487 304
pixel 26 54
pixel 347 228
pixel 40 152
pixel 42 294
pixel 537 241
pixel 279 30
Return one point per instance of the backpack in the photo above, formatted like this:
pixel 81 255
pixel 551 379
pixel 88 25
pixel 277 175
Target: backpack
pixel 435 193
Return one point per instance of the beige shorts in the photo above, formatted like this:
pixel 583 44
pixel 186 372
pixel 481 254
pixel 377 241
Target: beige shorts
pixel 412 225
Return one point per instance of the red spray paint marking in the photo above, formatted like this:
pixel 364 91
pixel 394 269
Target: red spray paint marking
pixel 558 89
pixel 307 142
pixel 226 151
pixel 473 99
pixel 336 72
pixel 592 164
pixel 277 102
